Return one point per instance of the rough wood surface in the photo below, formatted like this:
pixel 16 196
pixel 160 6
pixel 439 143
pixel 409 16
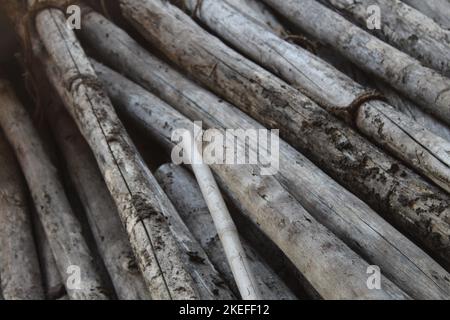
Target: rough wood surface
pixel 53 283
pixel 328 264
pixel 61 226
pixel 411 109
pixel 185 194
pixel 19 265
pixel 259 12
pixel 100 209
pixel 395 99
pixel 429 88
pixel 336 92
pixel 411 203
pixel 405 28
pixel 424 151
pixel 438 10
pixel 223 223
pixel 138 197
pixel 109 235
pixel 359 226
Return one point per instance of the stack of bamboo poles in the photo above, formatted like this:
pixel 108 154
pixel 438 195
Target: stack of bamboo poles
pixel 364 155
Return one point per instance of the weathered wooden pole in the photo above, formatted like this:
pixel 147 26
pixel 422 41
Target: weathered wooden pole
pixel 53 283
pixel 338 94
pixel 19 265
pixel 429 88
pixel 438 10
pixel 386 184
pixel 138 197
pixel 62 228
pixel 405 28
pixel 108 232
pixel 336 273
pixel 328 201
pixel 100 209
pixel 186 196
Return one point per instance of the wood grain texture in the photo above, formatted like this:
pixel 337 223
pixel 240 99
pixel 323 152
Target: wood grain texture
pixel 426 86
pixel 413 204
pixel 404 28
pixel 62 228
pixel 19 265
pixel 185 194
pixel 337 93
pixel 438 10
pixel 104 221
pixel 358 225
pixel 137 195
pixel 332 268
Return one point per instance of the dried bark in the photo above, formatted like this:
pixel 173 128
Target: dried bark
pixel 19 266
pixel 405 28
pixel 411 203
pixel 61 226
pixel 351 219
pixel 430 89
pixel 328 264
pixel 438 10
pixel 185 194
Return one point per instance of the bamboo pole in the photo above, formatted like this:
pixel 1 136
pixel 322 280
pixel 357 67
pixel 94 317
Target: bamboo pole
pixel 328 201
pixel 19 266
pixel 430 89
pixel 61 226
pixel 387 185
